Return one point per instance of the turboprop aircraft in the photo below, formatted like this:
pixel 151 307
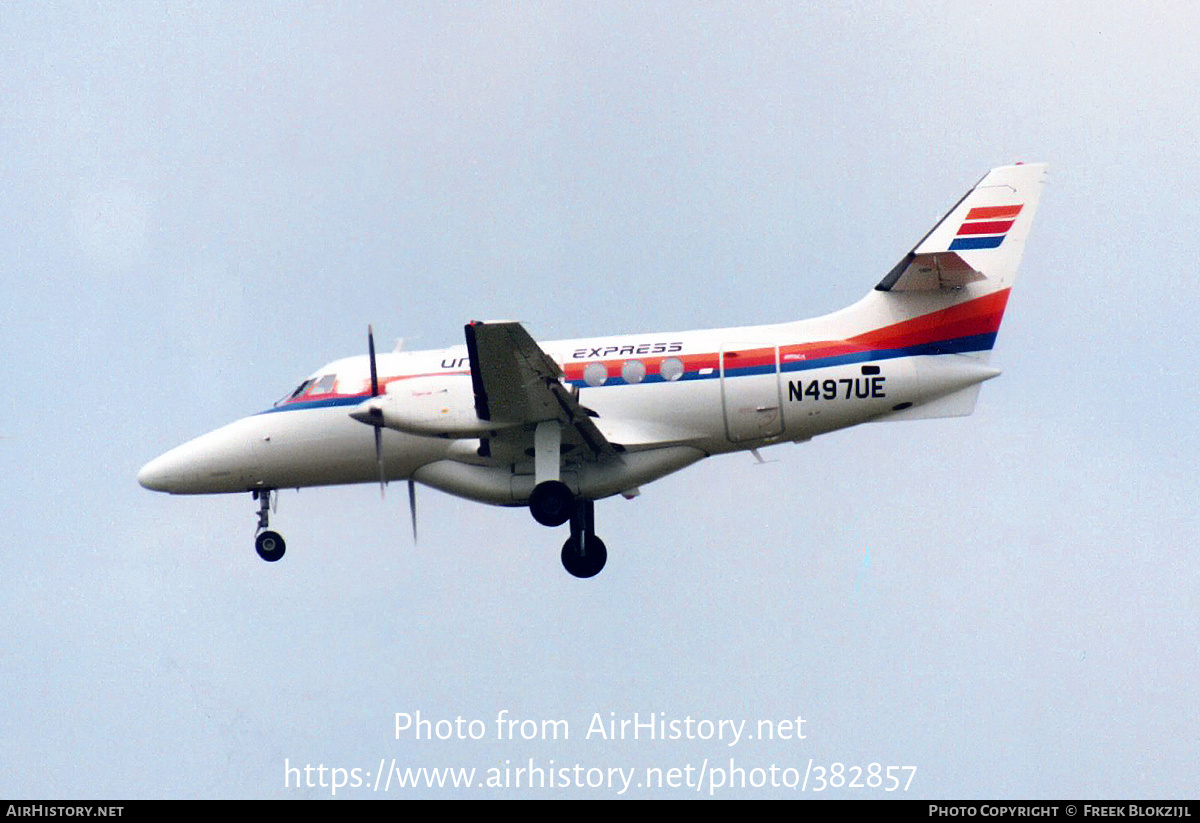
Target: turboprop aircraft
pixel 556 426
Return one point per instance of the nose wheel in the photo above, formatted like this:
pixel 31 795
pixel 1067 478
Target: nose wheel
pixel 268 544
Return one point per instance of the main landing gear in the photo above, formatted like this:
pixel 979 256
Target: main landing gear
pixel 268 544
pixel 552 504
pixel 584 554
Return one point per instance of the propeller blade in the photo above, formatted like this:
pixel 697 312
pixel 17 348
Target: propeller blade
pixel 379 458
pixel 375 412
pixel 412 507
pixel 371 351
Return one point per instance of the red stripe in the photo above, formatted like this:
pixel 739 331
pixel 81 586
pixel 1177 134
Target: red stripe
pixel 979 316
pixel 691 363
pixel 989 227
pixel 985 212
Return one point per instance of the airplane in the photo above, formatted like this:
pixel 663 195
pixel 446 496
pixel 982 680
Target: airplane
pixel 556 426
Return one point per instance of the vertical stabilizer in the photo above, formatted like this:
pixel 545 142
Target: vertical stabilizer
pixel 981 240
pixel 945 300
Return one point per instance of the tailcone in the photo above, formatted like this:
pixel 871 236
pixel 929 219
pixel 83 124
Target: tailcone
pixel 948 373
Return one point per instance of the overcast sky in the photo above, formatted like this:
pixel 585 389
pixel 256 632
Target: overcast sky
pixel 205 203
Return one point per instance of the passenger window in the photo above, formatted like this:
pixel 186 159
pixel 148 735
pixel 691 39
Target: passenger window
pixel 596 374
pixel 633 371
pixel 671 368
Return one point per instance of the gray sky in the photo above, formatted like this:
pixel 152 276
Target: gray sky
pixel 203 204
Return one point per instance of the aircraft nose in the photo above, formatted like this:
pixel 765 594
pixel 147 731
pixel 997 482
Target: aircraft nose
pixel 220 461
pixel 160 474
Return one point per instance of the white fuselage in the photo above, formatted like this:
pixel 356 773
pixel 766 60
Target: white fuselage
pixel 556 426
pixel 667 399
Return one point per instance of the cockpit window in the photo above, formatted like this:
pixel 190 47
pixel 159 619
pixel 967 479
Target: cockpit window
pixel 301 389
pixel 325 384
pixel 313 385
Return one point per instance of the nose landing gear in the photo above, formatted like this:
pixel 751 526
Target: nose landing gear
pixel 268 544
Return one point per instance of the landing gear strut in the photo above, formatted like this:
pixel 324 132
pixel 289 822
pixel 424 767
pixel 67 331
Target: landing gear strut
pixel 584 554
pixel 552 503
pixel 268 544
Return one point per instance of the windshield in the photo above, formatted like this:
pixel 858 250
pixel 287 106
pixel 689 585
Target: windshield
pixel 301 389
pixel 324 385
pixel 311 386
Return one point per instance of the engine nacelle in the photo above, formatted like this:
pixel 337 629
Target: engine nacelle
pixel 434 406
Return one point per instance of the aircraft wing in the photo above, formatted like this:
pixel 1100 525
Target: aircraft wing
pixel 517 383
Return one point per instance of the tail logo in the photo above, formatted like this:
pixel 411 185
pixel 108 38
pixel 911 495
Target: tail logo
pixel 985 227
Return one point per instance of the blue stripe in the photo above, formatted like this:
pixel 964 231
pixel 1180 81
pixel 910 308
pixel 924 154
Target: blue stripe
pixel 328 402
pixel 968 243
pixel 958 345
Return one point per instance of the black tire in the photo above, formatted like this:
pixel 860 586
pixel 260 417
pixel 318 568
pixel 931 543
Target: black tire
pixel 588 563
pixel 551 503
pixel 270 546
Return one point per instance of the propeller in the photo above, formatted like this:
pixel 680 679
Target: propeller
pixel 376 414
pixel 376 420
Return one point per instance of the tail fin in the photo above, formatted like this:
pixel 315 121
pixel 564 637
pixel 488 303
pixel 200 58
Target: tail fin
pixel 980 240
pixel 945 299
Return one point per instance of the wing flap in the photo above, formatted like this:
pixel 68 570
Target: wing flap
pixel 639 435
pixel 516 382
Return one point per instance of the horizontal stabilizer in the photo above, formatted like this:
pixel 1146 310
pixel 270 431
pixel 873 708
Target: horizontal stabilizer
pixel 957 404
pixel 929 272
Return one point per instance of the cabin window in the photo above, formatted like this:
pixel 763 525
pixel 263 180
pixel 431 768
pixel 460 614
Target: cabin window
pixel 596 374
pixel 671 368
pixel 633 371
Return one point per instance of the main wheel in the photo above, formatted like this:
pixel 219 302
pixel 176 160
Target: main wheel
pixel 269 545
pixel 551 503
pixel 587 563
